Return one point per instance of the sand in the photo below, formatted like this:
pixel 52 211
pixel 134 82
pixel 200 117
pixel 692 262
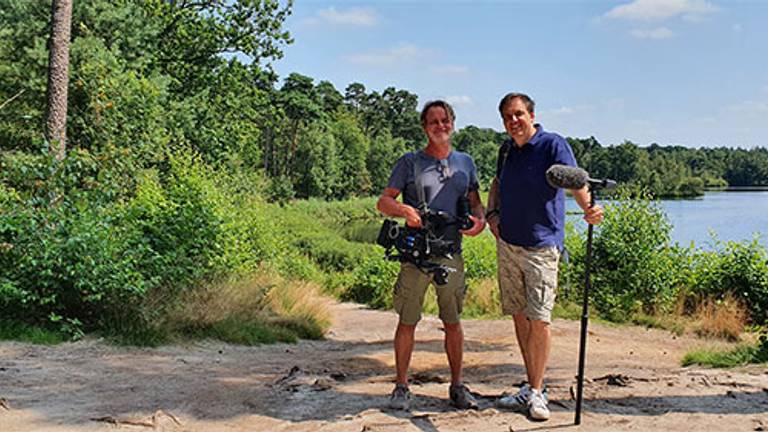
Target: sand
pixel 634 382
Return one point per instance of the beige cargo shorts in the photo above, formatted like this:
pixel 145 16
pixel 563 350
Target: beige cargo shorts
pixel 412 284
pixel 527 280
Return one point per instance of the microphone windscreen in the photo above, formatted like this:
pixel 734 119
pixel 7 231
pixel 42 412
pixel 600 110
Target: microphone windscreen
pixel 567 177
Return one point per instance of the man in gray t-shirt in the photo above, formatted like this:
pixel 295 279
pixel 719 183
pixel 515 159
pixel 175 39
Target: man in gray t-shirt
pixel 441 183
pixel 437 176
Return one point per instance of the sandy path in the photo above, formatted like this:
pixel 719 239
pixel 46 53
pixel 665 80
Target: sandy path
pixel 342 383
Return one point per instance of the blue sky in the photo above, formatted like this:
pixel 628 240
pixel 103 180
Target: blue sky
pixel 682 72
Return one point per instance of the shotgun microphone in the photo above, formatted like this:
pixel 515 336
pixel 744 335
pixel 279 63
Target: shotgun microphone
pixel 568 177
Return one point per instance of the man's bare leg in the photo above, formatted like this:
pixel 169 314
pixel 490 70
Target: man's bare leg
pixel 539 342
pixel 404 336
pixel 454 349
pixel 522 331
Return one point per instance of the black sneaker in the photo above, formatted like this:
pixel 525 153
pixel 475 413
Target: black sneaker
pixel 400 399
pixel 461 398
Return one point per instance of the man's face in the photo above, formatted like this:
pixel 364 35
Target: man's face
pixel 438 125
pixel 518 121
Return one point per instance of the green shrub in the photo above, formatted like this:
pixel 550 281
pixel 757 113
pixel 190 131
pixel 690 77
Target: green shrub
pixel 70 264
pixel 373 282
pixel 479 255
pixel 321 242
pixel 571 272
pixel 280 189
pixel 634 268
pixel 15 330
pixel 176 214
pixel 76 256
pixel 337 213
pixel 736 268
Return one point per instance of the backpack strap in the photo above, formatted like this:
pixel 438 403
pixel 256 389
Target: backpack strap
pixel 417 180
pixel 502 159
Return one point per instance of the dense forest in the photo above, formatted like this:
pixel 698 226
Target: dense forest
pixel 181 165
pixel 147 76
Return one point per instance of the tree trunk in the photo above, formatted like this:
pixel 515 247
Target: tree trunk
pixel 58 76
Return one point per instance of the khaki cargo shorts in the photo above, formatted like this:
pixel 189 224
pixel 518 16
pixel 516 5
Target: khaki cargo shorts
pixel 412 284
pixel 527 280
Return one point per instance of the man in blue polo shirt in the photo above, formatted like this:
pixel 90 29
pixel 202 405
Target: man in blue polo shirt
pixel 528 221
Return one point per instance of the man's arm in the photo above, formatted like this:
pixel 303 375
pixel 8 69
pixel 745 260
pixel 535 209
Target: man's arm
pixel 593 215
pixel 477 216
pixel 389 205
pixel 493 207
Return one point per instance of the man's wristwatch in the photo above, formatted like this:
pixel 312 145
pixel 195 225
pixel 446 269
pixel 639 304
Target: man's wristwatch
pixel 494 212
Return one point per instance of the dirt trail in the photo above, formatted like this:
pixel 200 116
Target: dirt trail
pixel 342 383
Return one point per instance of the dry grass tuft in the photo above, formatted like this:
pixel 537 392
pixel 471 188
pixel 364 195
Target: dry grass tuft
pixel 721 318
pixel 249 308
pixel 216 302
pixel 302 301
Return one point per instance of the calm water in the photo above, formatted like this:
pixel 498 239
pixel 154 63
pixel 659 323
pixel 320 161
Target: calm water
pixel 732 215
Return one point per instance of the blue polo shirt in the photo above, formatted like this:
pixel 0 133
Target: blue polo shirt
pixel 532 211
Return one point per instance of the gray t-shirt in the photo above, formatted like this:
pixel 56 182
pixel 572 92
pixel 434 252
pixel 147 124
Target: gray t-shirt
pixel 443 181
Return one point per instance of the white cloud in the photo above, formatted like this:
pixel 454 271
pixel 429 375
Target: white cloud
pixel 392 56
pixel 450 70
pixel 660 10
pixel 656 33
pixel 461 100
pixel 362 17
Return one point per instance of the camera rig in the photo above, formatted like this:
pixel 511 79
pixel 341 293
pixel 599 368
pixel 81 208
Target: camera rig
pixel 438 237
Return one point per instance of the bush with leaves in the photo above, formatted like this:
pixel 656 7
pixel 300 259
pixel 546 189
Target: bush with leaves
pixel 68 259
pixel 373 282
pixel 634 267
pixel 479 255
pixel 736 268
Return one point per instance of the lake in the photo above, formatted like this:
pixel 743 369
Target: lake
pixel 732 215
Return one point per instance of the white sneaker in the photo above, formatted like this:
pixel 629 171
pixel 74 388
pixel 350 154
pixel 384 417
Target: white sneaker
pixel 517 401
pixel 537 406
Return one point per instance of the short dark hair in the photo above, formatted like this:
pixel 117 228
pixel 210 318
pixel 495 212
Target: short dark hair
pixel 530 105
pixel 437 103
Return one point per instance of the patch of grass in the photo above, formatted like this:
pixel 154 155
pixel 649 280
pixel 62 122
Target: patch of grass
pixel 255 332
pixel 741 355
pixel 12 330
pixel 300 327
pixel 142 334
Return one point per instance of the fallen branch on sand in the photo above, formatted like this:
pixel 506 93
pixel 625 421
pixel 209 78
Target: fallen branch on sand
pixel 149 422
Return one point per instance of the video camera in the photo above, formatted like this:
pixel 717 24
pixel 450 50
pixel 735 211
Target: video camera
pixel 438 237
